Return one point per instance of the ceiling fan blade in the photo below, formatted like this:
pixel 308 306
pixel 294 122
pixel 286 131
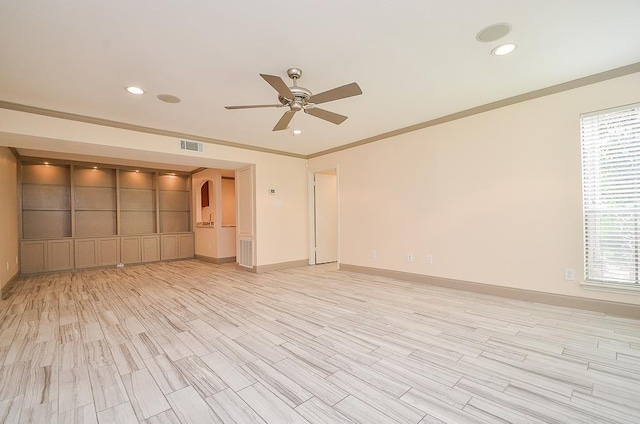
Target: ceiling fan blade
pixel 326 115
pixel 250 107
pixel 284 121
pixel 279 85
pixel 348 90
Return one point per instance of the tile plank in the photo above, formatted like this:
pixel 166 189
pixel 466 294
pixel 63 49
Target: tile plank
pixel 165 373
pixel 316 411
pixel 107 387
pixel 270 408
pixel 191 408
pixel 232 409
pixel 146 397
pixel 119 414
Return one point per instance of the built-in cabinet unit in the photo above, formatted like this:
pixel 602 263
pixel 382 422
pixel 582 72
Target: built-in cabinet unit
pixel 77 216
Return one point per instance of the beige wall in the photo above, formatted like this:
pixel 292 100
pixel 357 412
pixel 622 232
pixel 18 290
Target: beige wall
pixel 281 231
pixel 278 217
pixel 495 198
pixel 8 216
pixel 226 242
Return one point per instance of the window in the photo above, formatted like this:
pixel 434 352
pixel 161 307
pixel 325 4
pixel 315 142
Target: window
pixel 611 194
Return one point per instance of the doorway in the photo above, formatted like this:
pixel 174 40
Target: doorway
pixel 324 222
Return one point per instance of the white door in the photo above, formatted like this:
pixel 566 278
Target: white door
pixel 326 218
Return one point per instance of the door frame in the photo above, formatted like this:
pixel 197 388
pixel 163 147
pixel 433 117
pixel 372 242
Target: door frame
pixel 312 210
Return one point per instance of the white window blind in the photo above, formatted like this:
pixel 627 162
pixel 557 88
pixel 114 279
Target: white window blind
pixel 611 194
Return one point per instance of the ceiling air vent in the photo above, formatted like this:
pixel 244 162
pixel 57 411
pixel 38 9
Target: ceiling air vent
pixel 194 146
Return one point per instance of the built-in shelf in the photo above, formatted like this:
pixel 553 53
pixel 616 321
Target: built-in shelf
pixel 46 201
pixel 106 214
pixel 138 204
pixel 174 199
pixel 94 201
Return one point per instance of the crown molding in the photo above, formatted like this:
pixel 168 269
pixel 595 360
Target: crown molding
pixel 565 86
pixel 569 85
pixel 139 128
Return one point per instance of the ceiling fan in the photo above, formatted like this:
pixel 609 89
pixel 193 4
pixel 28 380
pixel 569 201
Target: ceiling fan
pixel 299 98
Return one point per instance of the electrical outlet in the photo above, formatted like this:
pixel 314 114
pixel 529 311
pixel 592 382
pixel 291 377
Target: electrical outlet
pixel 374 254
pixel 16 260
pixel 429 259
pixel 410 257
pixel 120 265
pixel 7 265
pixel 569 274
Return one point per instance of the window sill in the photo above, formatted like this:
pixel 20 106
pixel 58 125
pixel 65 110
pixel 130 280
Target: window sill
pixel 612 288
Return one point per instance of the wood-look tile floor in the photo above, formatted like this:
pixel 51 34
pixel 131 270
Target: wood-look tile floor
pixel 192 342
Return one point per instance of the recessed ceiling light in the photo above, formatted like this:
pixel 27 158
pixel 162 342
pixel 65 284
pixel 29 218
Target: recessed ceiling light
pixel 95 167
pixel 135 90
pixel 46 163
pixel 503 49
pixel 168 98
pixel 137 170
pixel 296 132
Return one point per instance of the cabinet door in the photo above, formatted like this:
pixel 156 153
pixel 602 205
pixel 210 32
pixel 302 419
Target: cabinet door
pixel 33 256
pixel 86 253
pixel 131 252
pixel 109 251
pixel 170 246
pixel 150 249
pixel 186 246
pixel 60 255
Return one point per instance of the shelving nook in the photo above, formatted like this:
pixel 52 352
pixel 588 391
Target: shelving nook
pixel 77 216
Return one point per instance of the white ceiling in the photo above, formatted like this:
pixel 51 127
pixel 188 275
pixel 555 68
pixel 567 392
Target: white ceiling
pixel 414 60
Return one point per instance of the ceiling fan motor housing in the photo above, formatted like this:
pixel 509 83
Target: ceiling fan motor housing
pixel 301 95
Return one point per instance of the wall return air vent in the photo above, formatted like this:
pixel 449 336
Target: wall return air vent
pixel 245 253
pixel 193 146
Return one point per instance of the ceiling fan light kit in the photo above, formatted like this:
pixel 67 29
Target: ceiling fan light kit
pixel 301 99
